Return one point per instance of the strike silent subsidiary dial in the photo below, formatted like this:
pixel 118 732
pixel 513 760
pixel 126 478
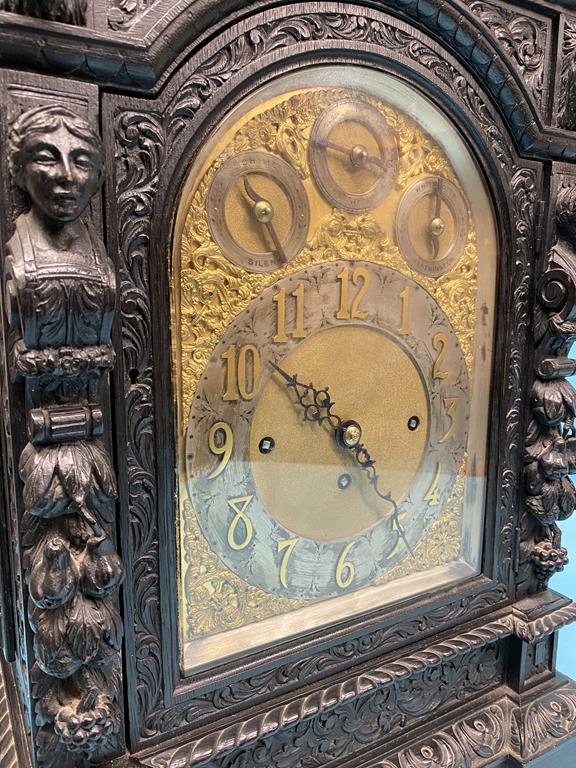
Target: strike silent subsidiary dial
pixel 258 211
pixel 353 155
pixel 432 225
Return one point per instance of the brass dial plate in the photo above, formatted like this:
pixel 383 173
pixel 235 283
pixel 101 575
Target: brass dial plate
pixel 353 155
pixel 432 225
pixel 221 604
pixel 258 211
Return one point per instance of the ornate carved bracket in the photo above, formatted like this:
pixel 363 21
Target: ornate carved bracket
pixel 60 295
pixel 551 436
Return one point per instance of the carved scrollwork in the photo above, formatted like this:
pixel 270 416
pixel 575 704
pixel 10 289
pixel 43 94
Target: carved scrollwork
pixel 551 436
pixel 539 725
pixel 522 37
pixel 60 289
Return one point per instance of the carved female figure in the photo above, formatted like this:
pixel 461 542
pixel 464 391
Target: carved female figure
pixel 56 158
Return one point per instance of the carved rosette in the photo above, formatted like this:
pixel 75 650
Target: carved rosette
pixel 551 436
pixel 60 305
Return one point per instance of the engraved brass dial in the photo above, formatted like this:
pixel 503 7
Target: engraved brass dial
pixel 258 211
pixel 432 225
pixel 353 155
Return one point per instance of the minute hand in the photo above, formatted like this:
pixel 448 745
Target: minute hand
pixel 317 407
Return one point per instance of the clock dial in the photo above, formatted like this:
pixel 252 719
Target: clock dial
pixel 258 211
pixel 353 155
pixel 296 480
pixel 432 225
pixel 333 325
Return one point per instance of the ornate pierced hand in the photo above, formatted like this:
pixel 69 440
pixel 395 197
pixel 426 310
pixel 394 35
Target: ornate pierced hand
pixel 317 407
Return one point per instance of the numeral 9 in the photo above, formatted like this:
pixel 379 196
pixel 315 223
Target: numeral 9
pixel 223 449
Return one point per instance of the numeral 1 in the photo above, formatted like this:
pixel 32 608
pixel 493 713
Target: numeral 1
pixel 286 546
pixel 239 506
pixel 360 276
pixel 242 372
pixel 433 495
pixel 280 299
pixel 404 327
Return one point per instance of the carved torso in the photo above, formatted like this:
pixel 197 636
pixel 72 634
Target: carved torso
pixel 64 297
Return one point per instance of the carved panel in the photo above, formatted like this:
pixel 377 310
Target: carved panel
pixel 524 38
pixel 396 699
pixel 65 11
pixel 146 139
pixel 539 725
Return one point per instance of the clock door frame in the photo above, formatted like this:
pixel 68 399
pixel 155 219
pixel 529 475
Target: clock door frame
pixel 150 143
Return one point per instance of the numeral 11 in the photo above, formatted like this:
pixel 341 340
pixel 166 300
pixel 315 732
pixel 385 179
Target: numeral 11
pixel 299 331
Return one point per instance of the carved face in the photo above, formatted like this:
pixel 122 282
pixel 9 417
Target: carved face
pixel 60 172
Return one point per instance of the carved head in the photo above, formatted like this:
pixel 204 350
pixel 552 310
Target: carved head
pixel 566 213
pixel 57 158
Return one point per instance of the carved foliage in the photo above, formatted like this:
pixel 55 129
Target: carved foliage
pixel 544 722
pixel 522 37
pixel 61 287
pixel 551 437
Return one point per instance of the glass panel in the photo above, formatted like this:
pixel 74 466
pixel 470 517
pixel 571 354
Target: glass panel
pixel 332 294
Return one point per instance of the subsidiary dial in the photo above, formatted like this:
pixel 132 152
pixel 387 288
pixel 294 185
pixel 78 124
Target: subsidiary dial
pixel 432 225
pixel 353 155
pixel 258 211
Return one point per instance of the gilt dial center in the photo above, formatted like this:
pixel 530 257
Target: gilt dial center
pixel 298 481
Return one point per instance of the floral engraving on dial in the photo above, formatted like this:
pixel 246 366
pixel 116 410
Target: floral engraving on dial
pixel 279 499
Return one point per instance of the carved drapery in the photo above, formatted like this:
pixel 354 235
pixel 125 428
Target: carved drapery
pixel 551 435
pixel 59 294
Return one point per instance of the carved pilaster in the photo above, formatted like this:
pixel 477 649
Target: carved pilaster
pixel 60 289
pixel 551 436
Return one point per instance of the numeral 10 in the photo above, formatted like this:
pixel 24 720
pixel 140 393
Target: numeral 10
pixel 242 372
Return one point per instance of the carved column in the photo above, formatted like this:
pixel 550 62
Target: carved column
pixel 60 291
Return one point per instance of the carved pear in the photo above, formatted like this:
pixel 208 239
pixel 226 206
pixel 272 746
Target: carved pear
pixel 101 570
pixel 54 577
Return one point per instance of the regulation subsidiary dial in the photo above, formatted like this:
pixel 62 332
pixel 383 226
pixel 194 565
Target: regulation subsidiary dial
pixel 353 155
pixel 258 211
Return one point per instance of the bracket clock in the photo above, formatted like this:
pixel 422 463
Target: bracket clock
pixel 288 301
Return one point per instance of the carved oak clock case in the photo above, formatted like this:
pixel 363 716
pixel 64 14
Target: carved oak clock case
pixel 288 301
